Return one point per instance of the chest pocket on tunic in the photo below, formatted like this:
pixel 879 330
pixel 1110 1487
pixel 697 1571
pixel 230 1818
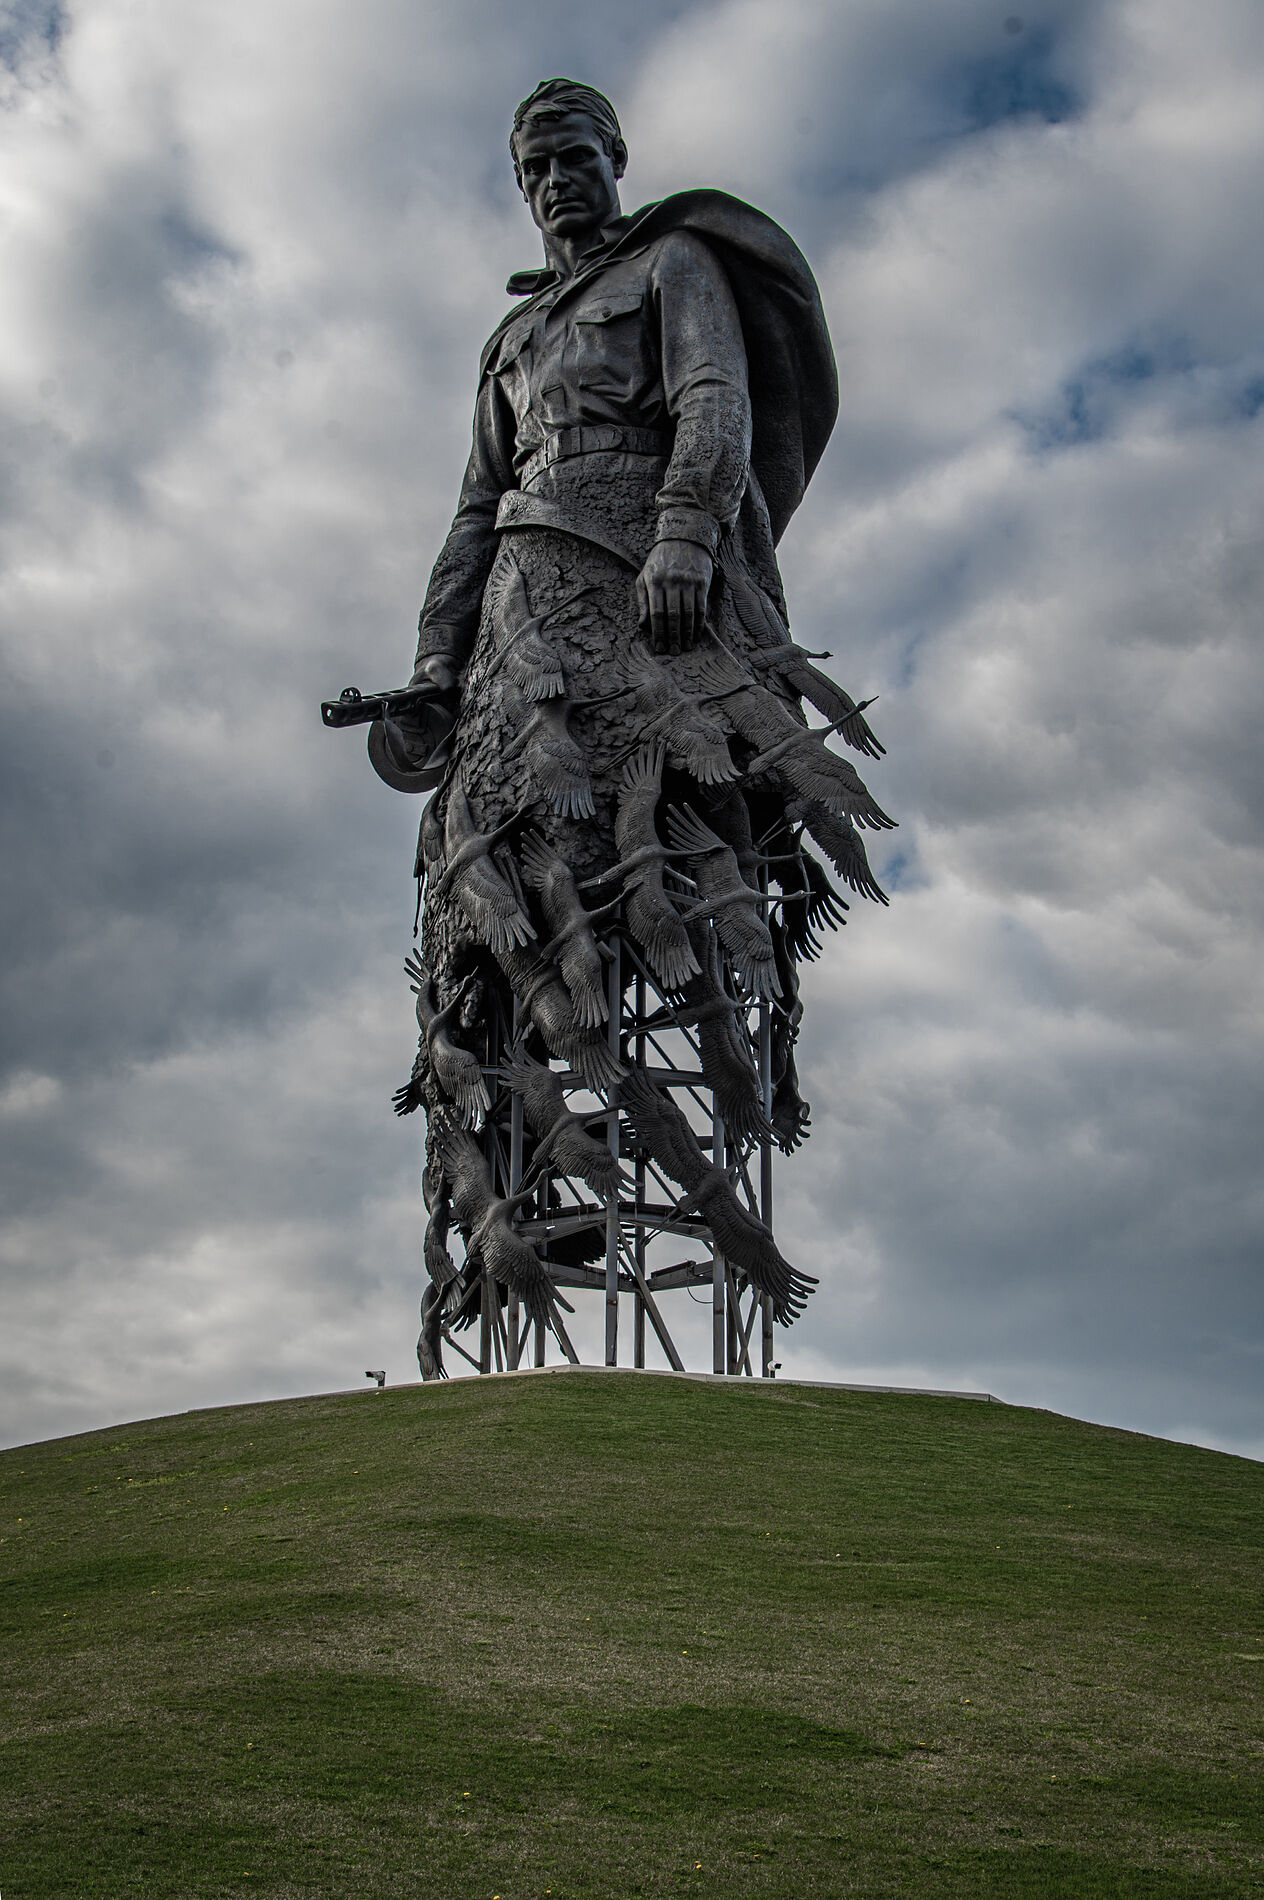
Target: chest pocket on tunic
pixel 610 344
pixel 509 348
pixel 504 364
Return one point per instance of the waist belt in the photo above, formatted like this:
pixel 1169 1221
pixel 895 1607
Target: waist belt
pixel 517 510
pixel 590 437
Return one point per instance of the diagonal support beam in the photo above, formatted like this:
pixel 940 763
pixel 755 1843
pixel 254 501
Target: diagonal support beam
pixel 656 1319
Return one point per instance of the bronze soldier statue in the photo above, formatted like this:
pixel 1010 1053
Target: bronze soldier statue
pixel 607 713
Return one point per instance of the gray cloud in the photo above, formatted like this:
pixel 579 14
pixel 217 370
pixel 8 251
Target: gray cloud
pixel 249 265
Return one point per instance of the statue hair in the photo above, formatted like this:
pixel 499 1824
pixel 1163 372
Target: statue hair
pixel 557 99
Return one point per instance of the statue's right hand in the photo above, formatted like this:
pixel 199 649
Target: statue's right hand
pixel 671 594
pixel 438 670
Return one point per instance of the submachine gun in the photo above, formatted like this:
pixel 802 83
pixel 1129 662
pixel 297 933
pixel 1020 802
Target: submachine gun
pixel 410 731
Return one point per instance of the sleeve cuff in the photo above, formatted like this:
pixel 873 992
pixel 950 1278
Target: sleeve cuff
pixel 437 638
pixel 689 524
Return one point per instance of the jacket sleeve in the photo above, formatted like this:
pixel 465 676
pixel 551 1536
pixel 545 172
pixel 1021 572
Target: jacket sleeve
pixel 706 392
pixel 450 612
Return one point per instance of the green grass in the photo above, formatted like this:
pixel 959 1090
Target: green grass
pixel 612 1635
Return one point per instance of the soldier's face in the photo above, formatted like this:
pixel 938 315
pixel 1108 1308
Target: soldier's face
pixel 568 178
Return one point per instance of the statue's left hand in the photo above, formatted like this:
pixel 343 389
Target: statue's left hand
pixel 671 594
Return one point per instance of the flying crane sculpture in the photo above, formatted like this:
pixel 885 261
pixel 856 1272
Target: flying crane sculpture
pixel 612 727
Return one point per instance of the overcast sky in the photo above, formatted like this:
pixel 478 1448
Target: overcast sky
pixel 249 256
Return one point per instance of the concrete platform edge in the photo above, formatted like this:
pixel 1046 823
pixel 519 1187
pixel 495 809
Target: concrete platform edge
pixel 733 1381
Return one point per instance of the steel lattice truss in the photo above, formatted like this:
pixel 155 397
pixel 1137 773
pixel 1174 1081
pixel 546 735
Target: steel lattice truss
pixel 633 1247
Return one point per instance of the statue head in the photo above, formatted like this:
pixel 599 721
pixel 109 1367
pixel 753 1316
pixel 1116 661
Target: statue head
pixel 568 155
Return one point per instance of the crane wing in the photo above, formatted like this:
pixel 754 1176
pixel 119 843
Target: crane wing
pixel 660 1126
pixel 491 904
pixel 845 849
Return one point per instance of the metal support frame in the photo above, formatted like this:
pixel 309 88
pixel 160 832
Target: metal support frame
pixel 627 1243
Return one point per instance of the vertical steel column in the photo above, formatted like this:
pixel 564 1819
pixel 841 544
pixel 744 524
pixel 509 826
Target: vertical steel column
pixel 486 1290
pixel 718 1328
pixel 491 1147
pixel 719 1274
pixel 541 1335
pixel 765 1161
pixel 614 1004
pixel 732 1304
pixel 638 1242
pixel 513 1320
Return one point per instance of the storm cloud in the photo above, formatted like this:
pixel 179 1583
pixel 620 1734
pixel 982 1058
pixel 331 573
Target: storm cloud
pixel 249 259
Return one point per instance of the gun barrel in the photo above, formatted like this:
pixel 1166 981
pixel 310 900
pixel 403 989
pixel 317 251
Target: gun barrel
pixel 354 708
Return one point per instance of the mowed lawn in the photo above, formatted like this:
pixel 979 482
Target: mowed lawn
pixel 615 1634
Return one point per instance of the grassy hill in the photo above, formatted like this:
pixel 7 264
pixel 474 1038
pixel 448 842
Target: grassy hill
pixel 613 1634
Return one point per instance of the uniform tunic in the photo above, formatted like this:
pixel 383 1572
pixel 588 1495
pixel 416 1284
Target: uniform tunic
pixel 638 361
